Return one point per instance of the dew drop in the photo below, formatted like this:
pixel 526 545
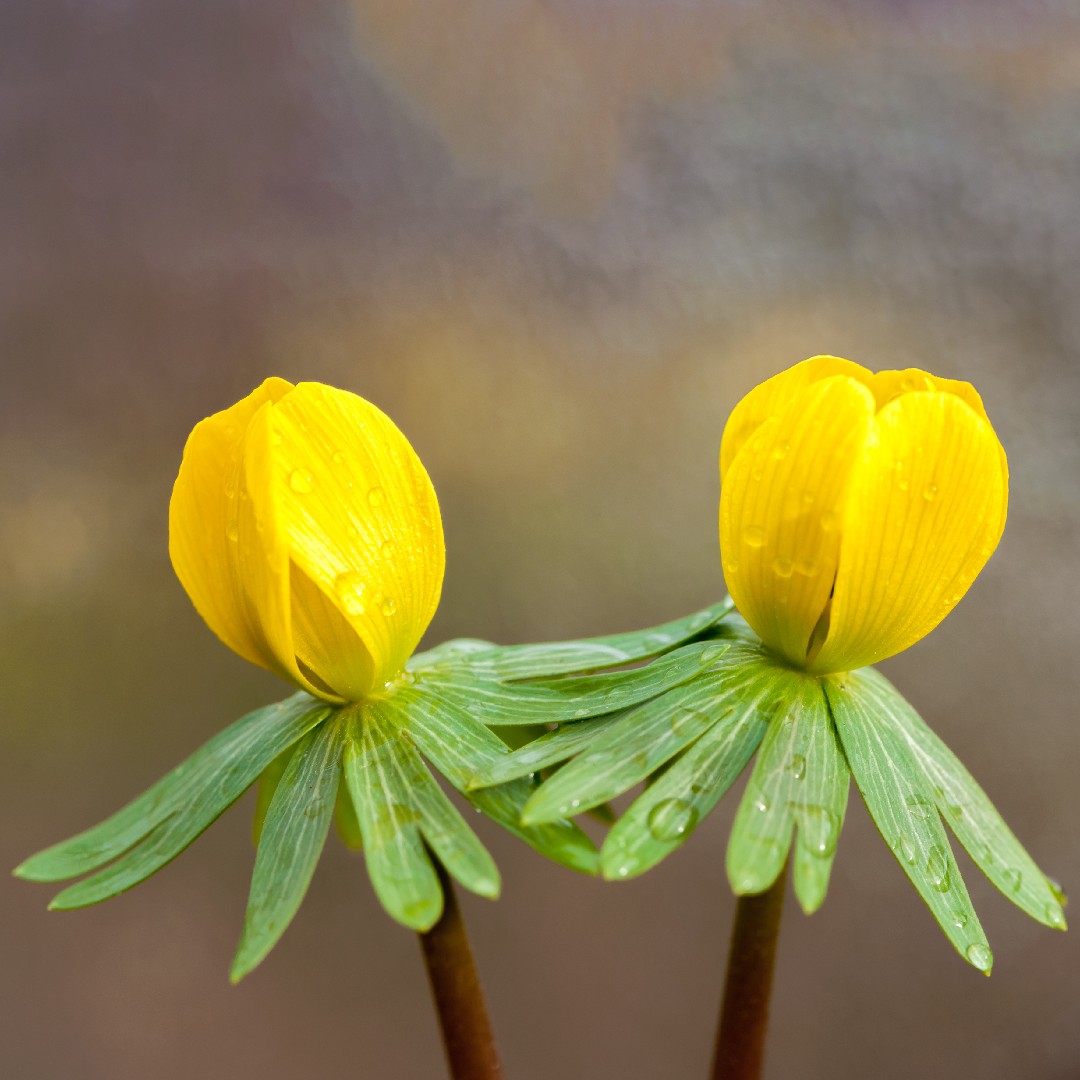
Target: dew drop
pixel 980 956
pixel 1014 879
pixel 731 566
pixel 808 498
pixel 930 492
pixel 350 588
pixel 797 766
pixel 937 869
pixel 806 567
pixel 386 549
pixel 956 812
pixel 919 807
pixel 903 483
pixel 623 871
pixel 712 654
pixel 829 521
pixel 761 804
pixel 232 531
pixel 959 919
pixel 387 605
pixel 376 497
pixel 275 438
pixel 820 830
pixel 301 481
pixel 1058 891
pixel 338 458
pixel 1054 917
pixel 904 849
pixel 754 536
pixel 783 566
pixel 671 819
pixel 780 451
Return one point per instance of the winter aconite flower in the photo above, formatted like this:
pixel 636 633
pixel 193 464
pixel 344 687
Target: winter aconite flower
pixel 856 508
pixel 307 533
pixel 855 511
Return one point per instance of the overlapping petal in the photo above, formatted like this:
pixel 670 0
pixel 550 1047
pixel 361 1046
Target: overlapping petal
pixel 924 512
pixel 857 508
pixel 307 533
pixel 782 505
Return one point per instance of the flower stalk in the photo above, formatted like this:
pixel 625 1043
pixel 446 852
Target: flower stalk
pixel 744 1012
pixel 459 998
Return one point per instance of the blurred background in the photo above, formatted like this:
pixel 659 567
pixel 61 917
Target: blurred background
pixel 556 240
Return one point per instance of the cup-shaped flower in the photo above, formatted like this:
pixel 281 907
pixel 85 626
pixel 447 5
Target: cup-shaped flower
pixel 307 534
pixel 856 508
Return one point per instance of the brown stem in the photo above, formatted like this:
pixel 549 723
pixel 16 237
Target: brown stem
pixel 459 998
pixel 744 1015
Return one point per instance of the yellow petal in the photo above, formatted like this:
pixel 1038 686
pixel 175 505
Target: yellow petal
pixel 203 524
pixel 363 526
pixel 924 511
pixel 781 507
pixel 772 396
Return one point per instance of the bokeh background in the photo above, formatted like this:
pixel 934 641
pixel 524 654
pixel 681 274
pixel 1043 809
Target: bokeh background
pixel 556 240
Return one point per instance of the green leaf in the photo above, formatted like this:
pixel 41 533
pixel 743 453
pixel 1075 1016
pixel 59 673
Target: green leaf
pixel 799 782
pixel 967 809
pixel 293 836
pixel 219 782
pixel 631 748
pixel 458 745
pixel 453 740
pixel 268 783
pixel 563 699
pixel 547 750
pixel 276 726
pixel 661 819
pixel 591 654
pixel 900 799
pixel 561 841
pixel 378 775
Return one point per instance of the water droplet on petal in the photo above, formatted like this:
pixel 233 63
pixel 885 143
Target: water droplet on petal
pixel 671 819
pixel 783 566
pixel 806 567
pixel 779 452
pixel 275 438
pixel 386 549
pixel 339 457
pixel 829 521
pixel 980 956
pixel 930 492
pixel 387 605
pixel 808 498
pixel 350 588
pixel 376 497
pixel 903 483
pixel 301 481
pixel 232 531
pixel 754 536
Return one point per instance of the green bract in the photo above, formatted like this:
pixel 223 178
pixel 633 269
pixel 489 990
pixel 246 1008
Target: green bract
pixel 715 703
pixel 369 760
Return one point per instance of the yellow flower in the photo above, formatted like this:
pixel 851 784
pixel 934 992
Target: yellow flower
pixel 856 508
pixel 307 533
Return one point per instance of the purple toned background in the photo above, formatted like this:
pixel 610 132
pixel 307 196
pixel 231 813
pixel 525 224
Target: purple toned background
pixel 556 241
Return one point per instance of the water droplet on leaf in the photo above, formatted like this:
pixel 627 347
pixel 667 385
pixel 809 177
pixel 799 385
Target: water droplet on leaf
pixel 919 807
pixel 980 956
pixel 797 766
pixel 937 869
pixel 671 819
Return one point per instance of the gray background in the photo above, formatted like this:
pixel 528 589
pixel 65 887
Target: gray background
pixel 557 242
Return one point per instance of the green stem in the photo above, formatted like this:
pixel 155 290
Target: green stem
pixel 744 1014
pixel 459 998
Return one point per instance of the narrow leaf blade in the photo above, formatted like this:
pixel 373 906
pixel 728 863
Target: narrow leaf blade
pixel 900 799
pixel 104 842
pixel 292 839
